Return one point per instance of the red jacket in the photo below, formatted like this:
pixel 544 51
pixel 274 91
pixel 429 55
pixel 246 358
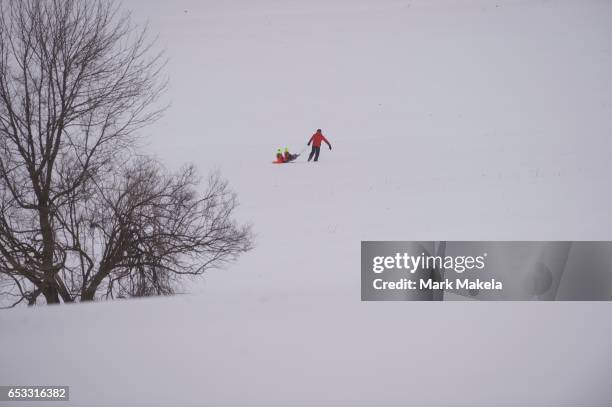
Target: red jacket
pixel 316 140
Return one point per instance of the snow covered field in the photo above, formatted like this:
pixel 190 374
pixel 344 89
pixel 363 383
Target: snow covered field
pixel 453 120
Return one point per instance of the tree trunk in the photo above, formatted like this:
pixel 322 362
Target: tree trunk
pixel 49 288
pixel 89 293
pixel 51 295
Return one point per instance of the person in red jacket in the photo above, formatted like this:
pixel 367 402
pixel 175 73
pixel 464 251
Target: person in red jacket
pixel 316 140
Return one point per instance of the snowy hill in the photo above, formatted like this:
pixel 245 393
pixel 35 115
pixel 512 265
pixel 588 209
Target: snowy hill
pixel 451 120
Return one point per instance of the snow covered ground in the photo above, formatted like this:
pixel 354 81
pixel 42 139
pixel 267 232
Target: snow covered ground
pixel 453 120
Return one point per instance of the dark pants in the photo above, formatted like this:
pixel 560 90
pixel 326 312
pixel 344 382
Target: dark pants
pixel 314 152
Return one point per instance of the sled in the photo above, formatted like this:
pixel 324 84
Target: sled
pixel 286 162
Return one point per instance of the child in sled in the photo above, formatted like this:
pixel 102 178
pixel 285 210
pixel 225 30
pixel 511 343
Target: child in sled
pixel 279 156
pixel 288 156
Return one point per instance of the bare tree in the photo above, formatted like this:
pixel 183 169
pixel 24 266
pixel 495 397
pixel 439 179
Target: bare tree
pixel 78 214
pixel 137 231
